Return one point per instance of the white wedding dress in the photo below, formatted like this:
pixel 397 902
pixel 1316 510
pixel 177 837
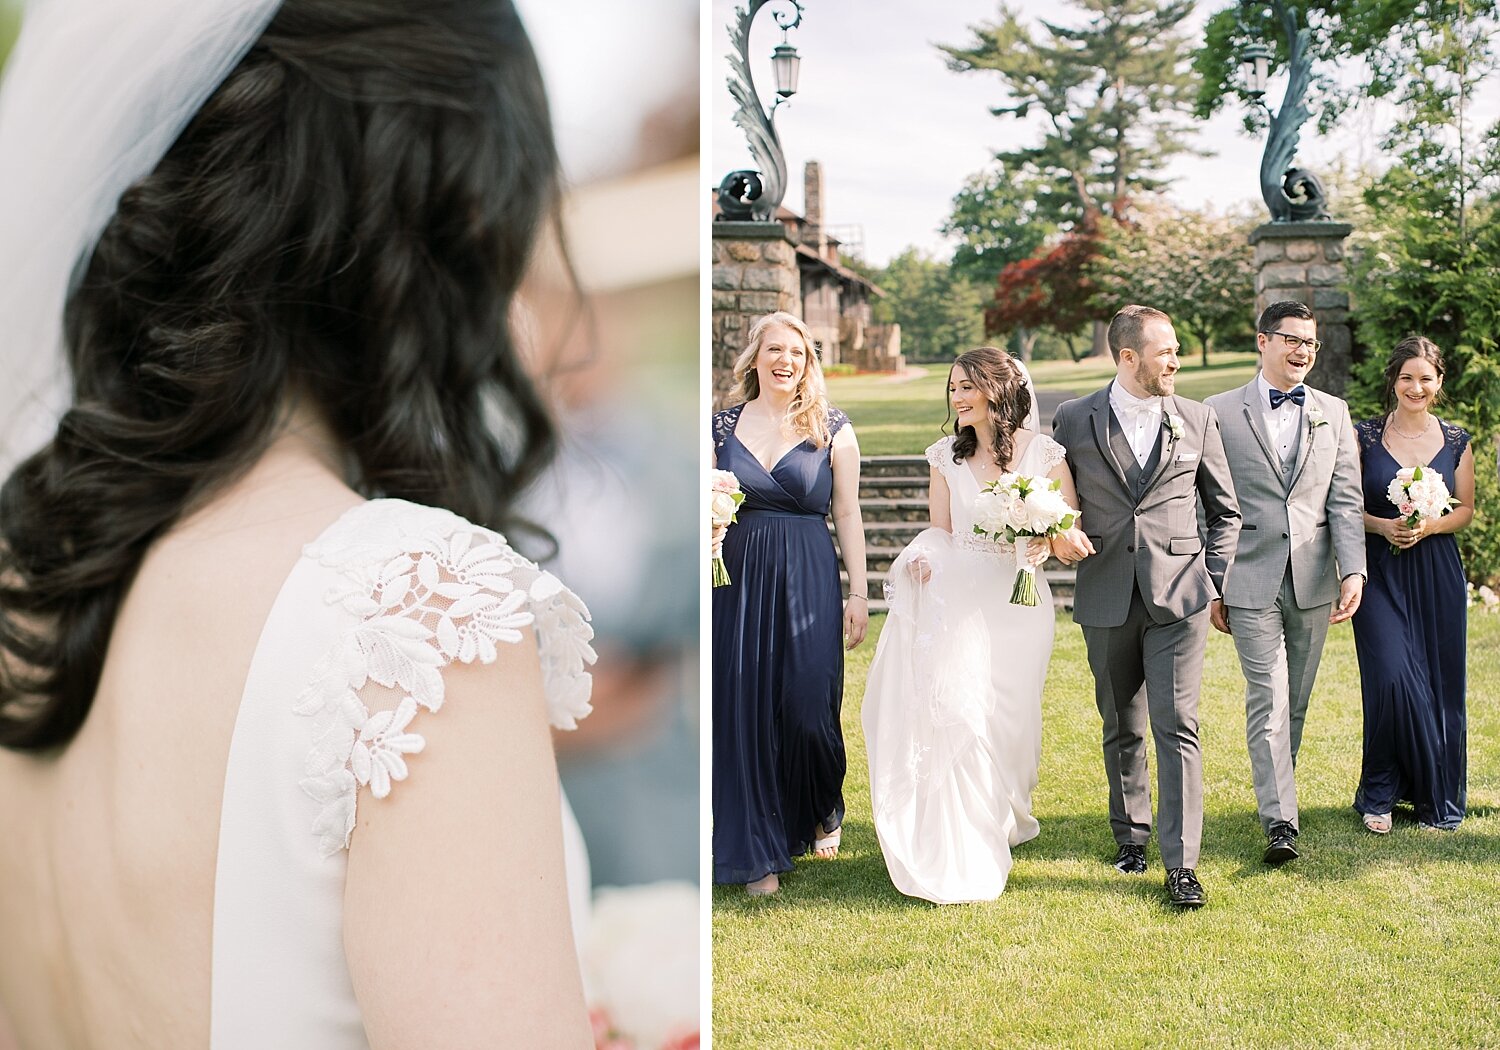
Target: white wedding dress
pixel 953 704
pixel 390 594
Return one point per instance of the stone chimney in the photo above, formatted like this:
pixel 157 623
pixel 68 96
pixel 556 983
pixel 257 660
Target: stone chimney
pixel 812 208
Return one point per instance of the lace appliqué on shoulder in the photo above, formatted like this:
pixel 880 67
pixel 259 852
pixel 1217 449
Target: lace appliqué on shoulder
pixel 428 588
pixel 837 420
pixel 940 453
pixel 1370 432
pixel 1456 438
pixel 723 425
pixel 1050 453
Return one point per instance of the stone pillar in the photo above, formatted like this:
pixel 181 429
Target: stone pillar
pixel 754 274
pixel 1305 261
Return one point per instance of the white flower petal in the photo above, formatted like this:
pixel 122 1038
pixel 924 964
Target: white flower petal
pixel 427 572
pixel 447 636
pixel 359 763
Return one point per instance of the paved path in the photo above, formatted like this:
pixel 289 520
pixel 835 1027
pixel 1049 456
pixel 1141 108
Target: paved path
pixel 907 375
pixel 1047 401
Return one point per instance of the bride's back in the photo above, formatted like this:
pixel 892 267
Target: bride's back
pixel 339 230
pixel 110 845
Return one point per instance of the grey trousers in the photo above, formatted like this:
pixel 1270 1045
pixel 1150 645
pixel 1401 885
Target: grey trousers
pixel 1148 674
pixel 1279 649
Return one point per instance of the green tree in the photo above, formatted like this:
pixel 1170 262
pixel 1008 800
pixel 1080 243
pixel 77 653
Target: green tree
pixel 1428 259
pixel 1197 266
pixel 1109 93
pixel 999 218
pixel 940 312
pixel 1360 49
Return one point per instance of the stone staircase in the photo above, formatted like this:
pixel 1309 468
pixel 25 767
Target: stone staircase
pixel 893 501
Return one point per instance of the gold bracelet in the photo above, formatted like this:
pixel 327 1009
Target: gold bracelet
pixel 866 597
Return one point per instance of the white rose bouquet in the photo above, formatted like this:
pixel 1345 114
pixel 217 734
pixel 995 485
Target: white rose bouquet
pixel 724 499
pixel 1022 505
pixel 1420 495
pixel 640 967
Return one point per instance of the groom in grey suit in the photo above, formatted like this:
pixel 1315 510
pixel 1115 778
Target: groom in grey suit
pixel 1145 462
pixel 1292 452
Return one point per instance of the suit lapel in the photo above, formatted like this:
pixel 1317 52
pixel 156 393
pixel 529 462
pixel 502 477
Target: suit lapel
pixel 1099 419
pixel 1257 427
pixel 1166 444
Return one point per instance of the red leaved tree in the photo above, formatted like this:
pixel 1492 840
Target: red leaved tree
pixel 1051 289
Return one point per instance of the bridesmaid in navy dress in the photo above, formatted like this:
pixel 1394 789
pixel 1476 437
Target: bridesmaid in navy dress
pixel 1410 629
pixel 778 666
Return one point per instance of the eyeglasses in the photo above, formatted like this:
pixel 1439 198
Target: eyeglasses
pixel 1296 342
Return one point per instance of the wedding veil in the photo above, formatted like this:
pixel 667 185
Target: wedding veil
pixel 94 94
pixel 1034 417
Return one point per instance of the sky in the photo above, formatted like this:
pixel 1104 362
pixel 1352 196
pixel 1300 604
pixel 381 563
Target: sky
pixel 897 133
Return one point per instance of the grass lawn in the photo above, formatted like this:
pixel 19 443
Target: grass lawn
pixel 904 417
pixel 1363 942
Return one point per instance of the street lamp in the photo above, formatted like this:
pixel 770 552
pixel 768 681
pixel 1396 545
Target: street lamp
pixel 750 194
pixel 1255 67
pixel 1291 194
pixel 787 63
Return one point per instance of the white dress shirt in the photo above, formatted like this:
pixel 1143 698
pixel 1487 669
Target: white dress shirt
pixel 1140 418
pixel 1282 422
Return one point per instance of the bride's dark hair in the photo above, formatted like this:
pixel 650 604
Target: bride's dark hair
pixel 345 220
pixel 1004 388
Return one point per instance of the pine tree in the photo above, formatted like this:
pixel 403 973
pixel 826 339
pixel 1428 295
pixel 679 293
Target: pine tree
pixel 1110 96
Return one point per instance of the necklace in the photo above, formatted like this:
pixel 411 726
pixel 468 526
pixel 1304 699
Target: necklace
pixel 1410 437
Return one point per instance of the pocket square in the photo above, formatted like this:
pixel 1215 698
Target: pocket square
pixel 1183 457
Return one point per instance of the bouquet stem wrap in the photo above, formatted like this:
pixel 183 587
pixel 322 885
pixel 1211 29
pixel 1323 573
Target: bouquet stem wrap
pixel 720 573
pixel 1024 591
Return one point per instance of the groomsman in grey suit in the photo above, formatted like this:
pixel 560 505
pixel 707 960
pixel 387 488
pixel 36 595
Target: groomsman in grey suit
pixel 1145 461
pixel 1292 453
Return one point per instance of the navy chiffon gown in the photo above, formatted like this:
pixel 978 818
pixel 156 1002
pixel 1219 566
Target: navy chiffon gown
pixel 778 662
pixel 1410 636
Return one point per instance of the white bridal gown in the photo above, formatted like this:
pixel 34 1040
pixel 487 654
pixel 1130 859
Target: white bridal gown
pixel 390 594
pixel 953 703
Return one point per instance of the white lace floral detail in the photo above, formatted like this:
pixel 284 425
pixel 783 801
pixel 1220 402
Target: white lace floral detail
pixel 428 588
pixel 940 454
pixel 971 541
pixel 1051 453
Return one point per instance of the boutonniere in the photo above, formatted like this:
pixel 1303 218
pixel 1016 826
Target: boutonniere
pixel 1174 425
pixel 1315 417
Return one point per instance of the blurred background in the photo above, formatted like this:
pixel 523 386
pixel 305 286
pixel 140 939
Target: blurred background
pixel 621 501
pixel 610 316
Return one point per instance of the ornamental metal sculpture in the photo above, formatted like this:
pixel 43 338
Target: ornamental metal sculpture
pixel 1291 194
pixel 747 193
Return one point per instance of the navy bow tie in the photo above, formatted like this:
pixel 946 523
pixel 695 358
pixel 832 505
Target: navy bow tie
pixel 1297 394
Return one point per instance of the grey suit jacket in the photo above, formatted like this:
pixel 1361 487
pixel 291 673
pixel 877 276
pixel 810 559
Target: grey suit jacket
pixel 1152 542
pixel 1313 520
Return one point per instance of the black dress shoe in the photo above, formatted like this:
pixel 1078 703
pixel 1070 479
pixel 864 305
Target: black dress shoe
pixel 1131 859
pixel 1283 843
pixel 1184 889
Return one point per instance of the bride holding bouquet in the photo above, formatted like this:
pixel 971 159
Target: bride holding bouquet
pixel 953 705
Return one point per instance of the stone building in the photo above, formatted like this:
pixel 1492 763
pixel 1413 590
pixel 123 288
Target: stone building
pixel 833 300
